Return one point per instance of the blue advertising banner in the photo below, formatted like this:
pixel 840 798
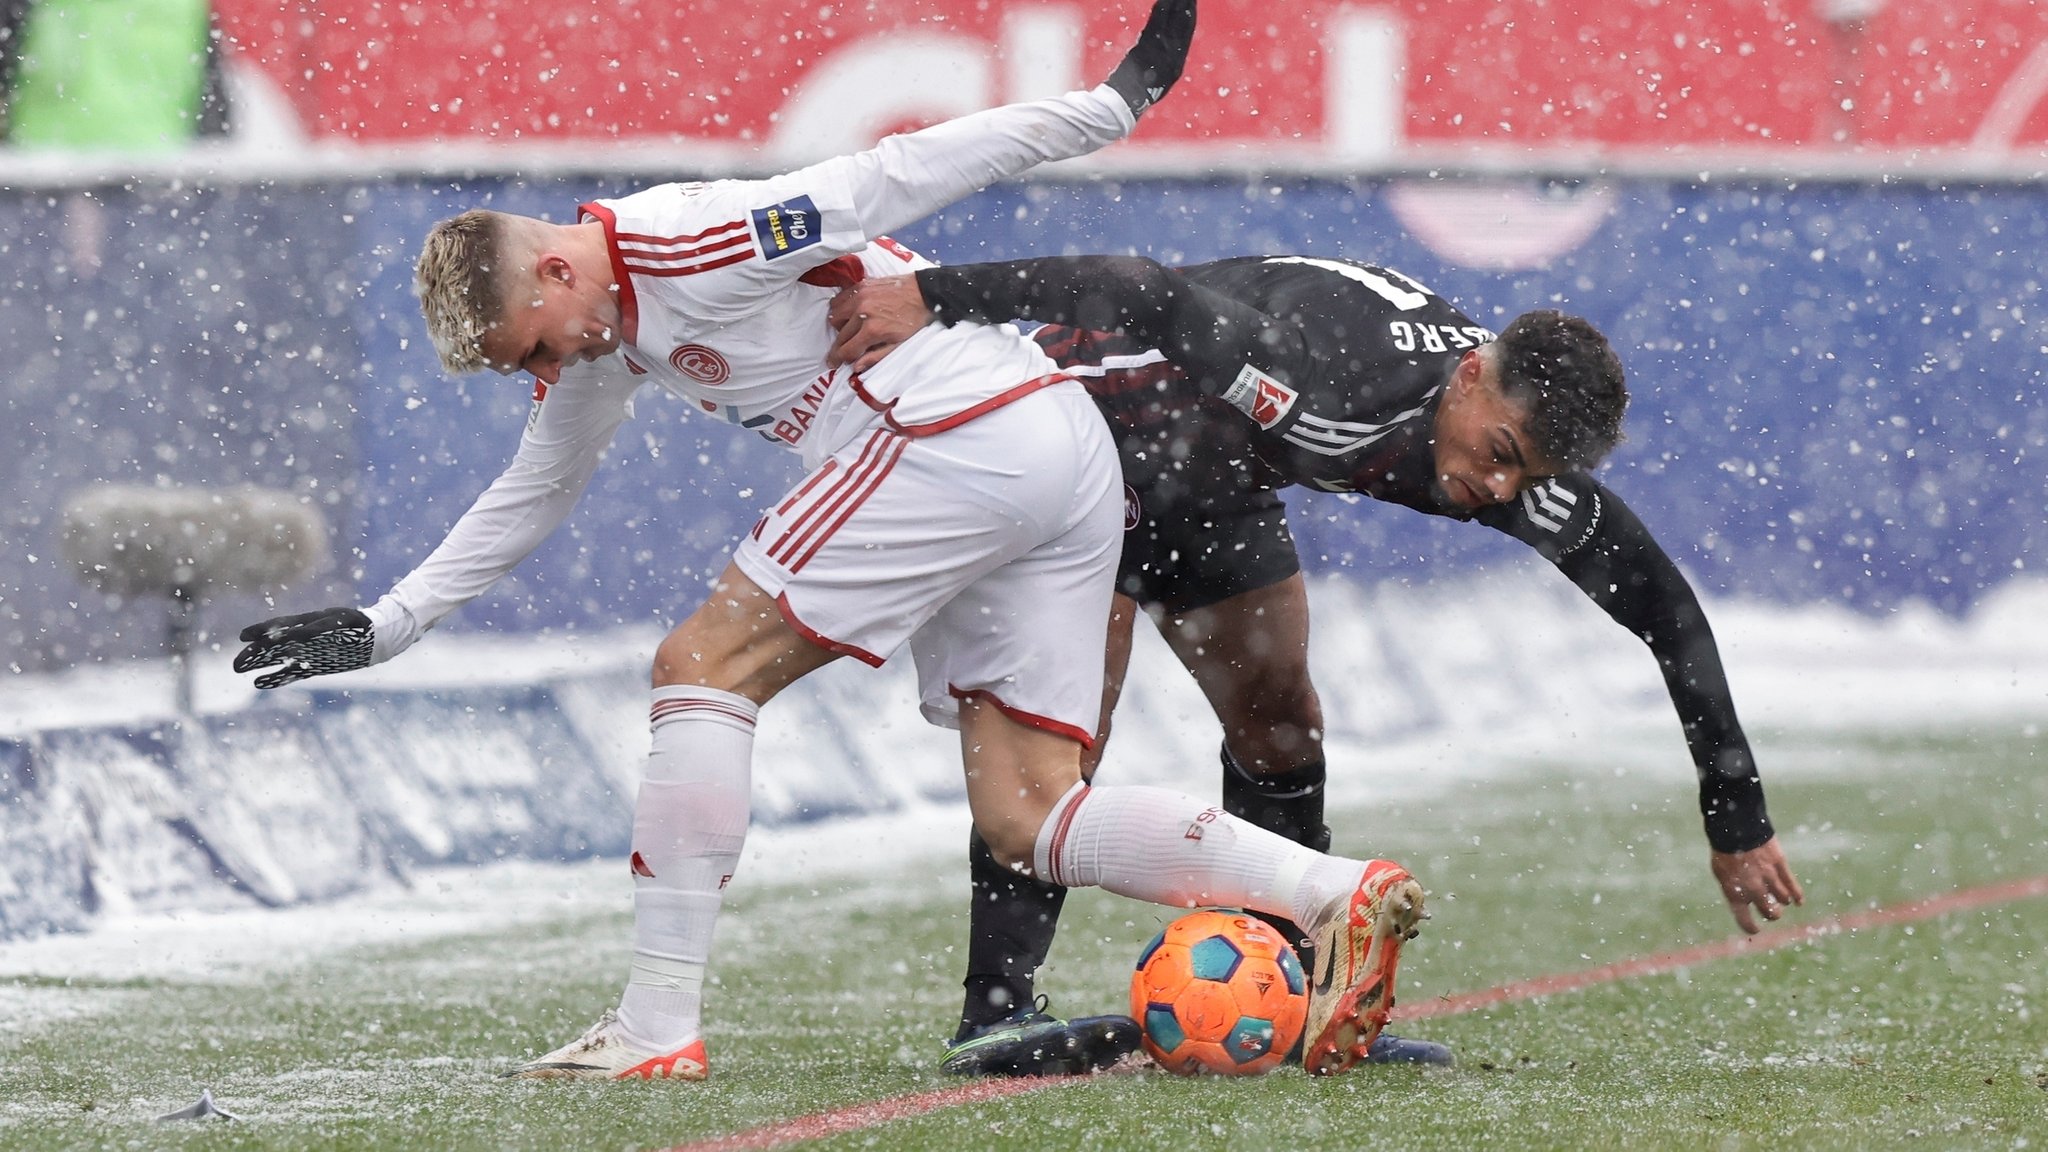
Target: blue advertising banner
pixel 1836 385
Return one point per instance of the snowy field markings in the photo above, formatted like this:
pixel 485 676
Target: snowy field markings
pixel 855 1117
pixel 860 1116
pixel 1927 908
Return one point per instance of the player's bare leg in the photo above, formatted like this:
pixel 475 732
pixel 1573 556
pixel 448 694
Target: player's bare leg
pixel 711 675
pixel 1031 806
pixel 1123 617
pixel 1004 1029
pixel 1249 656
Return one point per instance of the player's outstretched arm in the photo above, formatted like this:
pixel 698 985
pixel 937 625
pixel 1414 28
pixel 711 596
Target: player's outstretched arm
pixel 906 178
pixel 1605 549
pixel 1207 333
pixel 561 449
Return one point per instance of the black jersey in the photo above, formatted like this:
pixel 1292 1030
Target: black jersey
pixel 1260 372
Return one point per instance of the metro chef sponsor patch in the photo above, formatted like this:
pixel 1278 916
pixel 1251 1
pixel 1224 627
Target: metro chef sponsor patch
pixel 790 226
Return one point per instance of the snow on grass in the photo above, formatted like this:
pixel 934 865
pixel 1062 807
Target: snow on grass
pixel 1428 689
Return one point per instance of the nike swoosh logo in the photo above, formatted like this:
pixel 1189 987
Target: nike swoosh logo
pixel 1327 973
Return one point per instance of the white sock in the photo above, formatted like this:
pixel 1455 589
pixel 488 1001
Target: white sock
pixel 688 827
pixel 1159 845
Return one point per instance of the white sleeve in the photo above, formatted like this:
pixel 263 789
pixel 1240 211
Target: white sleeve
pixel 792 223
pixel 565 439
pixel 905 178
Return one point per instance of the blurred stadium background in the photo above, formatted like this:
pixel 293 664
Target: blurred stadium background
pixel 1812 226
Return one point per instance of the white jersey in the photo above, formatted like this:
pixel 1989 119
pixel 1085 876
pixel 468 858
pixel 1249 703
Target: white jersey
pixel 724 289
pixel 710 315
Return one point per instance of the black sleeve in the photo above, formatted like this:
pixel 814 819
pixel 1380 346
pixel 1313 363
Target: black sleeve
pixel 1207 334
pixel 1602 547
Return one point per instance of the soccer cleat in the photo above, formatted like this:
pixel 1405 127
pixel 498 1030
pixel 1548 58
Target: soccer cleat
pixel 1099 1041
pixel 605 1052
pixel 1357 949
pixel 1036 1043
pixel 1386 1049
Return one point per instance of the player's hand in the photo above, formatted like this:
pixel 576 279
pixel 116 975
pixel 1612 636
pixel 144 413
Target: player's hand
pixel 309 644
pixel 1756 881
pixel 873 316
pixel 1155 61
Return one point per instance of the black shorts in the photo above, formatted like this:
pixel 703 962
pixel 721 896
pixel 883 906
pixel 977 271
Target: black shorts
pixel 1182 553
pixel 1203 519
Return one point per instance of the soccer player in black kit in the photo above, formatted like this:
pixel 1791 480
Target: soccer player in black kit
pixel 1226 382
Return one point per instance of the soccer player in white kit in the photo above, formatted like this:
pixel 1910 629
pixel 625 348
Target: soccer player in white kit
pixel 962 499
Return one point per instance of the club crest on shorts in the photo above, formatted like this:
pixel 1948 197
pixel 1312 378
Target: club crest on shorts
pixel 700 363
pixel 1266 400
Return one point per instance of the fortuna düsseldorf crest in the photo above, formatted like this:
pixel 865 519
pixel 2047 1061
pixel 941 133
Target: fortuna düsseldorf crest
pixel 699 363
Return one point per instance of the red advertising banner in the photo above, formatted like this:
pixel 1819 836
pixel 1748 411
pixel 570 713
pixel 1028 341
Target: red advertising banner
pixel 1317 79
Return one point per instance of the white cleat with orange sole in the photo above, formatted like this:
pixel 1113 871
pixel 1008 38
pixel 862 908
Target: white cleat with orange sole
pixel 606 1052
pixel 1357 949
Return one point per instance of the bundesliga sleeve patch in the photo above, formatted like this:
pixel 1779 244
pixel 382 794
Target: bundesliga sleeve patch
pixel 540 394
pixel 1266 400
pixel 790 226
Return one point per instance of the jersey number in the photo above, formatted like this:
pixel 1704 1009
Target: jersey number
pixel 1389 285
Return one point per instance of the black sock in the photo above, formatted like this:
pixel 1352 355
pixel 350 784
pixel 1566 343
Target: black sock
pixel 1009 931
pixel 1287 803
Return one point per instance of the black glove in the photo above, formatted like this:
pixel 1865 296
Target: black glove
pixel 309 644
pixel 1155 61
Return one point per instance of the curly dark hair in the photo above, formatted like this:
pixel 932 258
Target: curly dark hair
pixel 1564 369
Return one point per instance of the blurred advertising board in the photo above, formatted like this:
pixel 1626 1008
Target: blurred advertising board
pixel 1317 82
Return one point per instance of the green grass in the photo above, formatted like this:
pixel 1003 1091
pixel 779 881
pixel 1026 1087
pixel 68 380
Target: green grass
pixel 1926 1035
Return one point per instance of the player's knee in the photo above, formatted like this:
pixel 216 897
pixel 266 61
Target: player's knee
pixel 696 654
pixel 1293 713
pixel 1012 846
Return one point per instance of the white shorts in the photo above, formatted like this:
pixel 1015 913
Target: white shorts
pixel 990 548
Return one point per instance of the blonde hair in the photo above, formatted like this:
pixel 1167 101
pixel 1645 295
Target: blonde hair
pixel 460 282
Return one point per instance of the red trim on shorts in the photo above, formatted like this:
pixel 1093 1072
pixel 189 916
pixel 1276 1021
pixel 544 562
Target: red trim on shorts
pixel 808 531
pixel 820 639
pixel 957 418
pixel 1028 719
pixel 830 466
pixel 790 501
pixel 629 303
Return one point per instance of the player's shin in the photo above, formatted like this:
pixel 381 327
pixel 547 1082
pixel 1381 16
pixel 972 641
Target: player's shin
pixel 1289 804
pixel 1010 929
pixel 1159 845
pixel 688 827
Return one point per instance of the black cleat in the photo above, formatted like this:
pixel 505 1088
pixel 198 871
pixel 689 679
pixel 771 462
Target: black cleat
pixel 1036 1043
pixel 1100 1041
pixel 1387 1049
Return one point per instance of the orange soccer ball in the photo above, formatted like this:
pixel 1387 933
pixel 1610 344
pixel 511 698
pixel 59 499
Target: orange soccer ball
pixel 1219 993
